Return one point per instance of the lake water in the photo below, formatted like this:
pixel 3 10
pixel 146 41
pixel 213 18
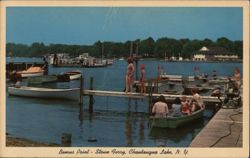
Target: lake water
pixel 118 122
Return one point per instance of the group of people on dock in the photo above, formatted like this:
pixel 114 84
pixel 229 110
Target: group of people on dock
pixel 181 106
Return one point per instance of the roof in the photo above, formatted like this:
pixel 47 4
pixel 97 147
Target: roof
pixel 209 50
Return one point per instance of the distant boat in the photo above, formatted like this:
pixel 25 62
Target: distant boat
pixel 109 62
pixel 48 93
pixel 174 122
pixel 73 75
pixel 31 72
pixel 95 65
pixel 171 77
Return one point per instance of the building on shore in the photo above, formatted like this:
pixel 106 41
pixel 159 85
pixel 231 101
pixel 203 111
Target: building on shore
pixel 207 53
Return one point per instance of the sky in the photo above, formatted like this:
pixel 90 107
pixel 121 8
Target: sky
pixel 86 25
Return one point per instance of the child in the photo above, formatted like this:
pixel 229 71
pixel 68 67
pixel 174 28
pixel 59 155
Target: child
pixel 197 102
pixel 142 80
pixel 185 106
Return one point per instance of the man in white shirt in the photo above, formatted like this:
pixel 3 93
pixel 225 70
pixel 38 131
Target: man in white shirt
pixel 160 108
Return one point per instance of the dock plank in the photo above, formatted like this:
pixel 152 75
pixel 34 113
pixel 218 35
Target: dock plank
pixel 139 95
pixel 218 127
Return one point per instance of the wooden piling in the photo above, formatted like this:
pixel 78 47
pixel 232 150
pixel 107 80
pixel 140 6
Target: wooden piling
pixel 136 69
pixel 81 91
pixel 136 60
pixel 66 139
pixel 131 49
pixel 149 97
pixel 157 85
pixel 91 99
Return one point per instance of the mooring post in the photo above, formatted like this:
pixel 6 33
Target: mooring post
pixel 157 84
pixel 81 90
pixel 91 99
pixel 66 139
pixel 149 96
pixel 136 70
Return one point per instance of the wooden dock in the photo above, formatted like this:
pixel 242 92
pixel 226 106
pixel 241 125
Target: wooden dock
pixel 223 130
pixel 139 95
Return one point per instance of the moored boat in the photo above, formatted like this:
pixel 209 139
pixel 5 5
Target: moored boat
pixel 48 93
pixel 73 75
pixel 31 72
pixel 95 65
pixel 174 122
pixel 42 79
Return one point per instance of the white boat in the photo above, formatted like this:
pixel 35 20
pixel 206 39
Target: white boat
pixel 31 72
pixel 48 93
pixel 171 77
pixel 73 75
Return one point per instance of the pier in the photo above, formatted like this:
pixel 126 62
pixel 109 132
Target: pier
pixel 144 95
pixel 223 130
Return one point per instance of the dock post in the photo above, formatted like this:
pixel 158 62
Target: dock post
pixel 157 84
pixel 66 139
pixel 91 99
pixel 149 96
pixel 81 90
pixel 136 69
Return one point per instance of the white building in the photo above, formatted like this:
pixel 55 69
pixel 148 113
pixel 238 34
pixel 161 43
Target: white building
pixel 213 54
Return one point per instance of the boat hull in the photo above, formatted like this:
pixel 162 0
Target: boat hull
pixel 42 79
pixel 74 75
pixel 34 92
pixel 174 122
pixel 32 74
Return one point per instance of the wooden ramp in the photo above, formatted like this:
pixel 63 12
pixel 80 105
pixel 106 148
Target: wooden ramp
pixel 138 95
pixel 216 131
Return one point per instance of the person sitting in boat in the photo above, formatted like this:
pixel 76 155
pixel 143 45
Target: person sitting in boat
pixel 214 74
pixel 197 73
pixel 206 75
pixel 15 79
pixel 142 80
pixel 197 102
pixel 216 92
pixel 176 108
pixel 185 106
pixel 160 108
pixel 129 75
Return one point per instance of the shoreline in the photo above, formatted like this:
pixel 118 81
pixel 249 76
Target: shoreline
pixel 12 141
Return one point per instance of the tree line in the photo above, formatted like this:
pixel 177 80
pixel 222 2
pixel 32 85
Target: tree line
pixel 146 47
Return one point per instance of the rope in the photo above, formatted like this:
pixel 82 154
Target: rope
pixel 230 128
pixel 152 125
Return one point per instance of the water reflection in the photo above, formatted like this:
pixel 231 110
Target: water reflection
pixel 134 123
pixel 141 130
pixel 128 130
pixel 81 115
